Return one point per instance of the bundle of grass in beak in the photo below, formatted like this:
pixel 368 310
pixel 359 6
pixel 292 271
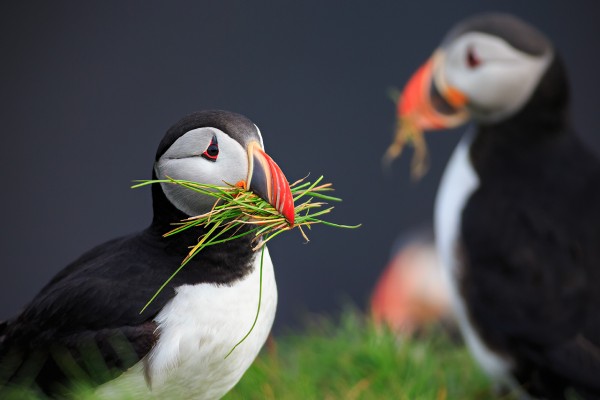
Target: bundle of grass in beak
pixel 235 206
pixel 408 133
pixel 428 102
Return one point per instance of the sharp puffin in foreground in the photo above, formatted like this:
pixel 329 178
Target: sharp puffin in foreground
pixel 517 214
pixel 89 313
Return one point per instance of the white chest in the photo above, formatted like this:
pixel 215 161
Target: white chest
pixel 197 330
pixel 457 185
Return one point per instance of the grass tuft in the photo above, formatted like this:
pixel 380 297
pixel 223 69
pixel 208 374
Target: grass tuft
pixel 352 359
pixel 408 133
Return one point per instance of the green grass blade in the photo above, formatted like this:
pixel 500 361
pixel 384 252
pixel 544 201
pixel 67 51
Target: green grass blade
pixel 262 256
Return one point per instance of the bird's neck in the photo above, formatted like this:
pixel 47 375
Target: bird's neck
pixel 532 127
pixel 220 263
pixel 517 146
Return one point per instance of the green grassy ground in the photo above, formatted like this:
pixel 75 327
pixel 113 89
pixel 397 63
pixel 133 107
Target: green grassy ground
pixel 353 360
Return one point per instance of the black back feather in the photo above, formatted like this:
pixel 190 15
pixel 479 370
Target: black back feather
pixel 531 245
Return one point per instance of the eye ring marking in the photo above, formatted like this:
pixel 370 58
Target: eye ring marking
pixel 473 61
pixel 212 151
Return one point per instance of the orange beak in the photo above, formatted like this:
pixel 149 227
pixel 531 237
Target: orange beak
pixel 428 102
pixel 267 181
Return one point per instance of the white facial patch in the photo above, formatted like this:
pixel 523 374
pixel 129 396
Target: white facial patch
pixel 503 81
pixel 183 160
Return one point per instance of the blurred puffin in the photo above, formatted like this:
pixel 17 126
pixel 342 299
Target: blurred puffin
pixel 411 293
pixel 517 215
pixel 89 313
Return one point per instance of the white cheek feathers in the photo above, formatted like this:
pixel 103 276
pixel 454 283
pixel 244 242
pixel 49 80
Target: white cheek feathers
pixel 183 160
pixel 501 83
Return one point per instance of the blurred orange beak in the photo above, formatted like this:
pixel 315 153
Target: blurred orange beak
pixel 428 102
pixel 267 181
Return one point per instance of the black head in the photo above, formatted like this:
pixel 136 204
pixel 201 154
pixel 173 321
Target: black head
pixel 514 31
pixel 237 126
pixel 491 68
pixel 218 148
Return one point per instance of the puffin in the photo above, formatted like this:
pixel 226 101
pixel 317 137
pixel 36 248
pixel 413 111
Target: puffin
pixel 86 322
pixel 517 213
pixel 410 293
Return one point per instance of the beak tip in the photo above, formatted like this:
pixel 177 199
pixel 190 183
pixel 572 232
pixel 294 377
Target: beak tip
pixel 284 203
pixel 289 214
pixel 268 181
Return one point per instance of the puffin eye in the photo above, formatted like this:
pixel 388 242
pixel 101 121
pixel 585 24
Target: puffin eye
pixel 212 151
pixel 473 61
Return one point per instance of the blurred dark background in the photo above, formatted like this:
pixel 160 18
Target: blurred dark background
pixel 88 90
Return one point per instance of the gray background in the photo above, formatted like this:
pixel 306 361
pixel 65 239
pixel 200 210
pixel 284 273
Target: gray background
pixel 88 89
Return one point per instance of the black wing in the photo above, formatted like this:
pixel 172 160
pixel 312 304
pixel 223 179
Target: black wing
pixel 86 323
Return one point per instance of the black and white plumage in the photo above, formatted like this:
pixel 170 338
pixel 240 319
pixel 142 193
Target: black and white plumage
pixel 92 307
pixel 518 210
